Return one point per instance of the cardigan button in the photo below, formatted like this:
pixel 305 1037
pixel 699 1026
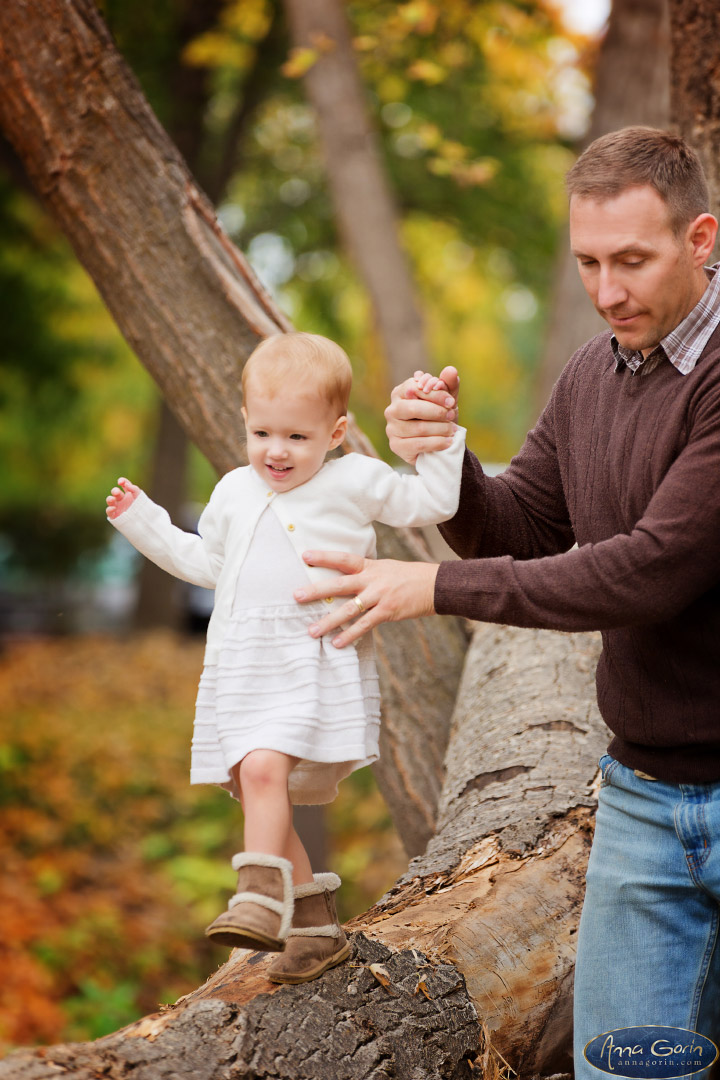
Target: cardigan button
pixel 291 528
pixel 328 599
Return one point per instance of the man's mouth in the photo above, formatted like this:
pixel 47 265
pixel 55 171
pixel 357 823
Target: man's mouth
pixel 617 319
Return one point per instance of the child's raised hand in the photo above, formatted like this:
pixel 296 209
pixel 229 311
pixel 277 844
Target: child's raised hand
pixel 426 383
pixel 119 500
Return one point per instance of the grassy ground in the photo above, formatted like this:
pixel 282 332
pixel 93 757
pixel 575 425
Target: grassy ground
pixel 111 863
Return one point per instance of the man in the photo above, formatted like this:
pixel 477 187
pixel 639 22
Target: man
pixel 625 462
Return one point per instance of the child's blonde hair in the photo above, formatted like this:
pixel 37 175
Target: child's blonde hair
pixel 300 359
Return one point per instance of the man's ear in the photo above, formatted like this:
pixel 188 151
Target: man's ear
pixel 701 234
pixel 339 432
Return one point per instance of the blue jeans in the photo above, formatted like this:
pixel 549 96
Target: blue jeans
pixel 649 928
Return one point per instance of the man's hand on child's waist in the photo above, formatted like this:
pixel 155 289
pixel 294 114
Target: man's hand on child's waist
pixel 381 590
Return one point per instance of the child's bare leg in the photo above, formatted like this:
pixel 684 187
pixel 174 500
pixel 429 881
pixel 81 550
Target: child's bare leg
pixel 263 781
pixel 259 915
pixel 298 856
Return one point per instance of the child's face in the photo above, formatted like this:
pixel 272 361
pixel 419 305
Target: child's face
pixel 289 434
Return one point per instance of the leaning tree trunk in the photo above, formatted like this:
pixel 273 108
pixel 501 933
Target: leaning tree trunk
pixel 632 86
pixel 469 958
pixel 191 308
pixel 364 204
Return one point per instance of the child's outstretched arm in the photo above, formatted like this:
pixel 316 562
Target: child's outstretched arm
pixel 426 497
pixel 194 557
pixel 121 498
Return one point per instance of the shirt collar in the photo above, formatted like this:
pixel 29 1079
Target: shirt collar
pixel 683 346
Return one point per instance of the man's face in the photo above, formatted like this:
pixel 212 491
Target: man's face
pixel 642 277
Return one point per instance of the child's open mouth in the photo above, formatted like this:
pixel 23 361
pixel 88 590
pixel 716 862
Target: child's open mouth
pixel 279 470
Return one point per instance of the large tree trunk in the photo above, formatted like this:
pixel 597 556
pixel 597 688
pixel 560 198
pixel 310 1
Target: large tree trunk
pixel 363 201
pixel 470 956
pixel 695 83
pixel 632 86
pixel 185 299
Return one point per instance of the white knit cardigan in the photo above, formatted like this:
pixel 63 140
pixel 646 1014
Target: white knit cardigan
pixel 332 511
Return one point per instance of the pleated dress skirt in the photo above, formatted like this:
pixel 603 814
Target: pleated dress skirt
pixel 276 688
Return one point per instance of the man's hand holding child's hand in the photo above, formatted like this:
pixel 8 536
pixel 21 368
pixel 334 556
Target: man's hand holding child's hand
pixel 422 414
pixel 119 500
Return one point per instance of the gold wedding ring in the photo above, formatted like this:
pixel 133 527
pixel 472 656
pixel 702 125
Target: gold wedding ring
pixel 360 605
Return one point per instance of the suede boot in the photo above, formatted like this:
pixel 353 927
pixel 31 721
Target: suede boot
pixel 259 916
pixel 316 941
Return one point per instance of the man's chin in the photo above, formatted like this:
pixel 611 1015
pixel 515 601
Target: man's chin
pixel 636 342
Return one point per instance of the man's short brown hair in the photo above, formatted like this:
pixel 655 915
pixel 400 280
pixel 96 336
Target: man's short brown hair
pixel 638 157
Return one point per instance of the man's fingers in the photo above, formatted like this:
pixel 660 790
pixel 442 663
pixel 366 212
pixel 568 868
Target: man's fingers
pixel 421 429
pixel 344 561
pixel 417 408
pixel 353 624
pixel 450 377
pixel 356 630
pixel 350 566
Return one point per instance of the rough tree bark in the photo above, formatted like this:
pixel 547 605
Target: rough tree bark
pixel 364 205
pixel 470 956
pixel 188 304
pixel 696 82
pixel 632 86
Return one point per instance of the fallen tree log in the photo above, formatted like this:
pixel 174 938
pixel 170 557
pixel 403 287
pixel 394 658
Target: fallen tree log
pixel 465 966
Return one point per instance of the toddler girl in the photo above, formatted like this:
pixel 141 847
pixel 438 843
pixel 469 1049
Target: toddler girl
pixel 281 717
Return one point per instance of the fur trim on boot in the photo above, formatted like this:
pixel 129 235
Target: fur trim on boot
pixel 259 916
pixel 316 941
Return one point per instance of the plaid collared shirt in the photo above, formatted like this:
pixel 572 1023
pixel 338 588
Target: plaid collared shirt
pixel 683 345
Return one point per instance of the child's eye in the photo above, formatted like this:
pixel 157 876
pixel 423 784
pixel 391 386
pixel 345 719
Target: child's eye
pixel 296 436
pixel 260 434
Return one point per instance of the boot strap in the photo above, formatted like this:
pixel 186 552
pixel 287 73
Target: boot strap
pixel 257 898
pixel 316 931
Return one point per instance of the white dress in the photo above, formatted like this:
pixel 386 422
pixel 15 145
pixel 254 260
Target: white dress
pixel 276 688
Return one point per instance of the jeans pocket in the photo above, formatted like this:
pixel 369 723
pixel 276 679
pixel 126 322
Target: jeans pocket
pixel 608 765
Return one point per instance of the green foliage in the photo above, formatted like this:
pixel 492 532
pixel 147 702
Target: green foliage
pixel 73 400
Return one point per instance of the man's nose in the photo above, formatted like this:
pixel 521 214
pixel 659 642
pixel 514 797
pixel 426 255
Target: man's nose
pixel 611 292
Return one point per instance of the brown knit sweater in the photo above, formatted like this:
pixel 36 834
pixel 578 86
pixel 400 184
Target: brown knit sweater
pixel 629 468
